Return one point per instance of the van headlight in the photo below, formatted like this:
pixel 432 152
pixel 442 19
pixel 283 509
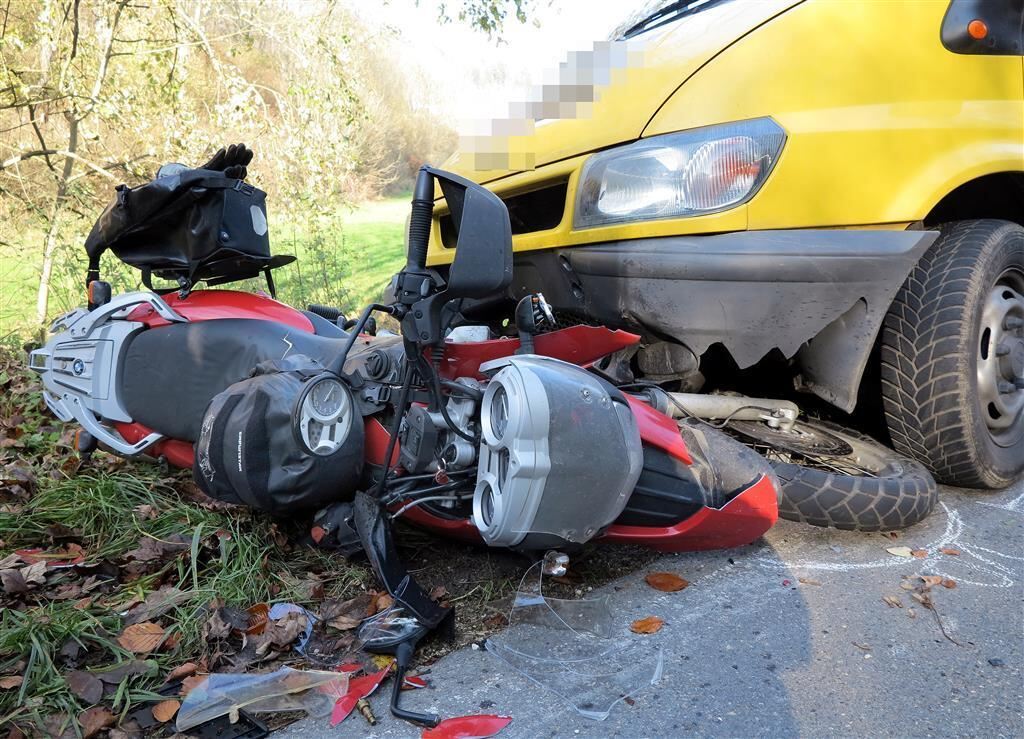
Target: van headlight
pixel 689 173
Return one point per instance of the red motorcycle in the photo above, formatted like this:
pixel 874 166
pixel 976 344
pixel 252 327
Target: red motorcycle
pixel 509 437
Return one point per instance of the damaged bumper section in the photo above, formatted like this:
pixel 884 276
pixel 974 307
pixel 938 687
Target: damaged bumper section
pixel 752 291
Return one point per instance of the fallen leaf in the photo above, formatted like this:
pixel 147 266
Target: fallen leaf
pixel 13 582
pixel 181 671
pixel 648 625
pixel 950 551
pixel 911 613
pixel 358 688
pixel 94 720
pixel 11 681
pixel 892 601
pixel 948 583
pixel 908 585
pixel 666 582
pixel 146 512
pixel 808 581
pixel 381 602
pixel 142 638
pixel 85 685
pixel 344 615
pixel 930 580
pixel 468 727
pixel 151 549
pixel 923 598
pixel 164 710
pixel 114 675
pixel 438 593
pixel 864 647
pixel 156 604
pixel 900 551
pixel 919 553
pixel 35 573
pixel 282 632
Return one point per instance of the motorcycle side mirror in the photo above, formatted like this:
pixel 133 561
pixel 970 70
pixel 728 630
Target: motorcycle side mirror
pixel 483 238
pixel 482 266
pixel 396 631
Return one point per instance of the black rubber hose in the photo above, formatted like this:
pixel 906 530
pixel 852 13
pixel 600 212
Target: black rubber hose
pixel 419 221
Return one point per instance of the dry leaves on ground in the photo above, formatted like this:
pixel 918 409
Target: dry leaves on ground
pixel 666 582
pixel 164 711
pixel 181 671
pixel 142 638
pixel 94 720
pixel 648 625
pixel 85 685
pixel 950 551
pixel 11 681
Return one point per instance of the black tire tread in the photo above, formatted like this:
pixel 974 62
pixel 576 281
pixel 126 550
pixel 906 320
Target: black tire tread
pixel 924 365
pixel 903 495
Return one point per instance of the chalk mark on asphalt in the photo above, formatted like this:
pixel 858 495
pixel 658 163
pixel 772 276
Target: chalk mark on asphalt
pixel 991 574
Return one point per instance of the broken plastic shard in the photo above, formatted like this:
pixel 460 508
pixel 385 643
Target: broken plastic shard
pixel 575 649
pixel 312 691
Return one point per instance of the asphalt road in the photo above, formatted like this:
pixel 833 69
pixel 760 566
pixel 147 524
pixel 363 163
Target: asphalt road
pixel 750 650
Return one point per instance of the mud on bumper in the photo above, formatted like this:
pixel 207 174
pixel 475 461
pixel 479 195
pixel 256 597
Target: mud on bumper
pixel 817 294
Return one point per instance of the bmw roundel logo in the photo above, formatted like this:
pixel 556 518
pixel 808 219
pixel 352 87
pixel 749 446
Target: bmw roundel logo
pixel 78 366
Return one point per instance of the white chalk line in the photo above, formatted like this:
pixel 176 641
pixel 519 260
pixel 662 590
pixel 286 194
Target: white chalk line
pixel 970 560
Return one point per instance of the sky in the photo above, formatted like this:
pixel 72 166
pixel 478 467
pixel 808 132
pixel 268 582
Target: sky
pixel 472 78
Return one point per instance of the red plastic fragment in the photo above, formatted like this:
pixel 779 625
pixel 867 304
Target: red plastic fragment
pixel 414 681
pixel 358 688
pixel 55 560
pixel 468 727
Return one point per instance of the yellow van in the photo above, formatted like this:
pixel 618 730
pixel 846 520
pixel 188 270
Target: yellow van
pixel 830 192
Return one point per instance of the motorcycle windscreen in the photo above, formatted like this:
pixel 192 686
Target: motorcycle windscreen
pixel 576 649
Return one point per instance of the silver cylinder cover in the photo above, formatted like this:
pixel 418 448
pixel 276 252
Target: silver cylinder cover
pixel 560 455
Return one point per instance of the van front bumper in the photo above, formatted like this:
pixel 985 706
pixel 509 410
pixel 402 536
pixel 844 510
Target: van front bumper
pixel 752 291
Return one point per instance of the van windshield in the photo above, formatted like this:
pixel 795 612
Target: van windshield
pixel 656 13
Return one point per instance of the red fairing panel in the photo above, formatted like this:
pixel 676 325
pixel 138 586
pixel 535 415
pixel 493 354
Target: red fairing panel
pixel 208 305
pixel 581 345
pixel 658 430
pixel 740 521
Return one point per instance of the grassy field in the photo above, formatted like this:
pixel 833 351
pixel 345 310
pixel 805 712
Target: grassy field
pixel 344 261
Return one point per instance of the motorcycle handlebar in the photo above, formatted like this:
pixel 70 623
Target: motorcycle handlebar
pixel 419 221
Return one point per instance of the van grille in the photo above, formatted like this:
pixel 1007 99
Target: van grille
pixel 536 210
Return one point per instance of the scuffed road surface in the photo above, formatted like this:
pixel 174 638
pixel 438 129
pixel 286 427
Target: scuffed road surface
pixel 750 650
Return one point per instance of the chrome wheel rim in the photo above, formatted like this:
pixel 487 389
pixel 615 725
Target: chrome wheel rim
pixel 1000 374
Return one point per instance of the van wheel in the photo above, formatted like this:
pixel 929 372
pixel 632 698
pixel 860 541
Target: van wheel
pixel 953 356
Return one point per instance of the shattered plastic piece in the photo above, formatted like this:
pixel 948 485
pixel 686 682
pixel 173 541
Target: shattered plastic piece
pixel 571 648
pixel 312 691
pixel 468 727
pixel 358 688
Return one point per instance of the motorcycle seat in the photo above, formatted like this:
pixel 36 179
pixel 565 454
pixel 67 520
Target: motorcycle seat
pixel 170 374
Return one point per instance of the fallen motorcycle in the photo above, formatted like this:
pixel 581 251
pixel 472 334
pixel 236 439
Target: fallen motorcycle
pixel 515 441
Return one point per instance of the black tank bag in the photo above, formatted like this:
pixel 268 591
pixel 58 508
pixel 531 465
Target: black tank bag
pixel 191 226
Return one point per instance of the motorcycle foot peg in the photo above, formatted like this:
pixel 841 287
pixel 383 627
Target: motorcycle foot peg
pixel 85 444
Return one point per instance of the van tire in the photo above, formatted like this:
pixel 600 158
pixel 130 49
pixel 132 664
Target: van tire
pixel 937 352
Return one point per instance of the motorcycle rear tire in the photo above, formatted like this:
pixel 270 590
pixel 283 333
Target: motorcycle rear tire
pixel 899 493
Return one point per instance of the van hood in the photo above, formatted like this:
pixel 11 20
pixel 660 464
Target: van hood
pixel 627 81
